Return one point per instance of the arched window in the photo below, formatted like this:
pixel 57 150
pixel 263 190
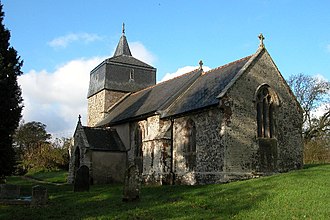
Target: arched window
pixel 265 112
pixel 76 159
pixel 190 144
pixel 138 152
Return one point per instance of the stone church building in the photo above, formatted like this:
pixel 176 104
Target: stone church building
pixel 237 121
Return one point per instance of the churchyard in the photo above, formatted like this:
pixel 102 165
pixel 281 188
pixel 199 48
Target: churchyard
pixel 302 194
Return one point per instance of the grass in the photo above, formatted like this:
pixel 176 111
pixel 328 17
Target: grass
pixel 302 194
pixel 59 176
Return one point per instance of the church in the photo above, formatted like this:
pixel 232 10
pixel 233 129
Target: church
pixel 237 121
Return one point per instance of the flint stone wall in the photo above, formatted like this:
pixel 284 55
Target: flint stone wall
pixel 99 103
pixel 244 154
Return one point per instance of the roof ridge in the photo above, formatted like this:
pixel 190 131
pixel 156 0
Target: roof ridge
pixel 161 83
pixel 228 64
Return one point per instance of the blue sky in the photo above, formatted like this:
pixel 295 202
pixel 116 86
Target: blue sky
pixel 61 41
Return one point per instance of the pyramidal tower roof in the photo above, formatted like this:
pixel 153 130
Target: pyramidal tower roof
pixel 122 47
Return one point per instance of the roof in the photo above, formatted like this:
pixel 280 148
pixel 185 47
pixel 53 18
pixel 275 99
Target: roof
pixel 188 92
pixel 103 139
pixel 204 91
pixel 127 60
pixel 150 100
pixel 122 47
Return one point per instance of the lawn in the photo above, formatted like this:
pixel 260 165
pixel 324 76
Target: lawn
pixel 303 194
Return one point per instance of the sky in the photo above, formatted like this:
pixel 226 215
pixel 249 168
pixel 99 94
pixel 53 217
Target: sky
pixel 61 41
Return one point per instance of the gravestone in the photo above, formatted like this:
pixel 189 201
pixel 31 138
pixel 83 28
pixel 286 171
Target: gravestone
pixel 132 184
pixel 81 180
pixel 8 191
pixel 39 196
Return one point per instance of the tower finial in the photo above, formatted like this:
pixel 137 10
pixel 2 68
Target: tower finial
pixel 123 28
pixel 79 118
pixel 261 38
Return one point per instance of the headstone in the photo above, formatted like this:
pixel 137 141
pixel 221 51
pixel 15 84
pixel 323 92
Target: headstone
pixel 8 191
pixel 39 196
pixel 132 184
pixel 82 180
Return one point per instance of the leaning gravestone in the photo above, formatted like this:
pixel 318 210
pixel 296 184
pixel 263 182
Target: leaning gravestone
pixel 81 180
pixel 39 196
pixel 132 184
pixel 8 191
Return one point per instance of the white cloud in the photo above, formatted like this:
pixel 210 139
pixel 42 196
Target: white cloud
pixel 64 41
pixel 140 52
pixel 57 98
pixel 181 71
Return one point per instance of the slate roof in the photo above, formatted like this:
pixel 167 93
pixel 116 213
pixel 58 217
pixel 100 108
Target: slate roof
pixel 150 100
pixel 104 139
pixel 188 92
pixel 204 91
pixel 128 59
pixel 122 47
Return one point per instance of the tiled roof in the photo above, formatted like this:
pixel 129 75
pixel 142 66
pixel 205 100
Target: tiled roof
pixel 103 139
pixel 189 92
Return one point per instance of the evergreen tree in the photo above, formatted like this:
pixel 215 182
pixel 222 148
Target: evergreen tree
pixel 10 99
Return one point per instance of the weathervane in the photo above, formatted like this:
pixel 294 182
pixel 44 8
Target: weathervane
pixel 261 38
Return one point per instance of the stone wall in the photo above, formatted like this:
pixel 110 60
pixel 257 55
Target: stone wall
pixel 108 167
pixel 245 153
pixel 99 104
pixel 155 147
pixel 209 148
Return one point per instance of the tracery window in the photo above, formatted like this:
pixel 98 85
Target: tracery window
pixel 265 111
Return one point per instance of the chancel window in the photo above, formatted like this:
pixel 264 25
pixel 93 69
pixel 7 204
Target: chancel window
pixel 265 111
pixel 190 144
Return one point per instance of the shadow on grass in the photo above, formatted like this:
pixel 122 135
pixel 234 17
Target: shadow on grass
pixel 308 166
pixel 157 202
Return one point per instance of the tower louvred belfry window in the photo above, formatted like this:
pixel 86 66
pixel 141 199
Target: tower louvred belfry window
pixel 265 112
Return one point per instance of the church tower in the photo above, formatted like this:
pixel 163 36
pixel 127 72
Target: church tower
pixel 115 77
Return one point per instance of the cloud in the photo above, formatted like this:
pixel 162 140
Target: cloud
pixel 56 98
pixel 64 41
pixel 140 52
pixel 181 71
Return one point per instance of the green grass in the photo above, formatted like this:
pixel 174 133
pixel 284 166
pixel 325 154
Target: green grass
pixel 59 176
pixel 303 194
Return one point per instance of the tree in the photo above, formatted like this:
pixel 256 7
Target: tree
pixel 29 139
pixel 37 151
pixel 10 99
pixel 312 93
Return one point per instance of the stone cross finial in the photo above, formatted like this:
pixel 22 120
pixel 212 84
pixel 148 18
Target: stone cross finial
pixel 261 38
pixel 200 64
pixel 123 28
